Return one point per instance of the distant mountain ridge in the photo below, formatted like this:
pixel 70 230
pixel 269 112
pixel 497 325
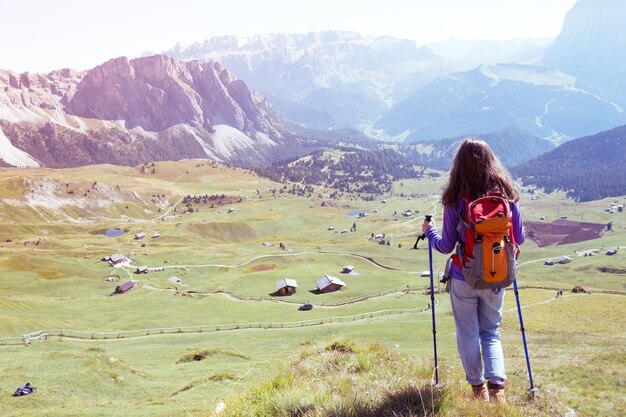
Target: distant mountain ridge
pixel 588 168
pixel 478 52
pixel 133 111
pixel 542 101
pixel 325 79
pixel 394 90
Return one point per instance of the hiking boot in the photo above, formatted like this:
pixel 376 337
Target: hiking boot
pixel 479 392
pixel 496 393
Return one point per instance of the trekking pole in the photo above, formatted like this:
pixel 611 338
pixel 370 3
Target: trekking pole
pixel 532 388
pixel 432 295
pixel 432 299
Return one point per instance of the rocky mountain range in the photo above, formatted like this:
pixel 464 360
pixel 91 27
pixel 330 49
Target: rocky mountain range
pixel 133 111
pixel 325 79
pixel 392 89
pixel 190 106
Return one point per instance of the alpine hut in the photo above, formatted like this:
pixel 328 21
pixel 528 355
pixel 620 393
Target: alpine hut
pixel 329 284
pixel 125 287
pixel 114 259
pixel 564 259
pixel 347 269
pixel 286 286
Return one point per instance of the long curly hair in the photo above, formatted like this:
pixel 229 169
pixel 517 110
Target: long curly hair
pixel 476 171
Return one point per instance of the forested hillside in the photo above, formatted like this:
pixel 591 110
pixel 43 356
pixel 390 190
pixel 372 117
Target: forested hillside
pixel 348 170
pixel 588 168
pixel 513 146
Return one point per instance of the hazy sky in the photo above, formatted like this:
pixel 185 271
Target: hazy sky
pixel 42 35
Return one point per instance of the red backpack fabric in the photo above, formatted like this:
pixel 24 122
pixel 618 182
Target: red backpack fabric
pixel 488 252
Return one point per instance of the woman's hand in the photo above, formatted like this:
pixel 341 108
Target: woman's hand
pixel 427 225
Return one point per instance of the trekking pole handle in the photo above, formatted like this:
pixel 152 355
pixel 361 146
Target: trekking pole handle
pixel 428 218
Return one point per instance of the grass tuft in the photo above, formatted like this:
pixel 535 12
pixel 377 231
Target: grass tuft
pixel 342 345
pixel 346 380
pixel 206 353
pixel 222 376
pixel 95 349
pixel 219 377
pixel 406 401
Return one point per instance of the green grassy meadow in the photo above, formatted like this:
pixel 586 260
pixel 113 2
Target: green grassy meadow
pixel 51 243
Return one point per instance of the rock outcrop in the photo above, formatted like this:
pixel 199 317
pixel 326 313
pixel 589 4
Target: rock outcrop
pixel 133 111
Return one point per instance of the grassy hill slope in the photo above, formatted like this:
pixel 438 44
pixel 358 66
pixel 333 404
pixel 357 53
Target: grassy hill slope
pixel 126 356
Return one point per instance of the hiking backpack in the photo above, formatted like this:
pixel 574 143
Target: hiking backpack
pixel 488 252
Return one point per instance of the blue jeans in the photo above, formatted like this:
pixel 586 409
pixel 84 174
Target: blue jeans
pixel 478 314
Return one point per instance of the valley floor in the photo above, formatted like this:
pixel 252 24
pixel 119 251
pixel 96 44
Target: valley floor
pixel 212 270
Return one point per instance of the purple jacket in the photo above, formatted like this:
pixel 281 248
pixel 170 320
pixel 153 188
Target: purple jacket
pixel 451 219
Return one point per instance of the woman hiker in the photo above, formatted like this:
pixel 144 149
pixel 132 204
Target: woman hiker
pixel 476 172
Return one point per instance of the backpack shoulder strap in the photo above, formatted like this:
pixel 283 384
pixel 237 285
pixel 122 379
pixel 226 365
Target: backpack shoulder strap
pixel 458 257
pixel 462 214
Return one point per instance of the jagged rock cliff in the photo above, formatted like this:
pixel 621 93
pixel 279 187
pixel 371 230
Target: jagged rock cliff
pixel 132 111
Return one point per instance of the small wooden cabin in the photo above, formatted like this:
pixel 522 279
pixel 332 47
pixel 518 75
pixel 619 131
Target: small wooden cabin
pixel 125 287
pixel 286 286
pixel 329 284
pixel 564 259
pixel 347 269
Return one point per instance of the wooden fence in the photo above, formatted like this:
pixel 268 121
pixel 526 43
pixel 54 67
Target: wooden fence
pixel 43 335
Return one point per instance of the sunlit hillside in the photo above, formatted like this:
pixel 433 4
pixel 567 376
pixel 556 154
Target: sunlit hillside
pixel 204 326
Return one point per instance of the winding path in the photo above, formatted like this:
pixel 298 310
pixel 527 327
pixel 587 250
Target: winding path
pixel 278 255
pixel 280 300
